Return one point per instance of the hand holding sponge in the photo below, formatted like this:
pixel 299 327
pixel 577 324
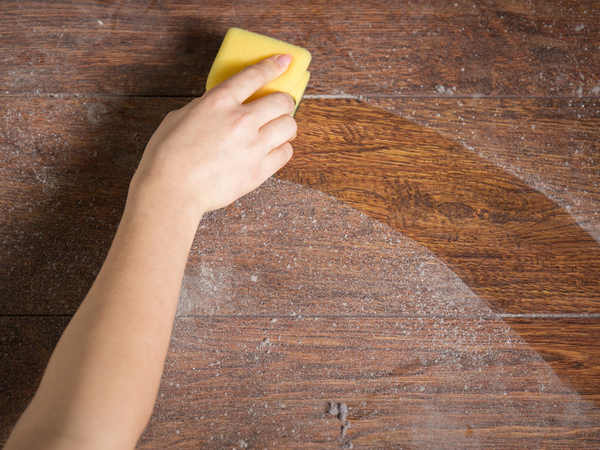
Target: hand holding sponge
pixel 241 48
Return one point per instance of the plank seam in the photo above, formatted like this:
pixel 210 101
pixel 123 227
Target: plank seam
pixel 354 316
pixel 325 96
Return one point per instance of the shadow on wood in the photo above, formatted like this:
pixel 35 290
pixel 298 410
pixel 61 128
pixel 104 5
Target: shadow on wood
pixel 66 166
pixel 26 346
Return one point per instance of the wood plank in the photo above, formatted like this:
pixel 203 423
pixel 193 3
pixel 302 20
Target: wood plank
pixel 67 162
pixel 384 370
pixel 281 241
pixel 513 246
pixel 368 49
pixel 26 344
pixel 64 181
pixel 570 346
pixel 550 144
pixel 236 381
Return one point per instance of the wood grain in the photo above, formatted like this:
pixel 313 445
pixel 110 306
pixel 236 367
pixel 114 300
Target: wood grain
pixel 515 248
pixel 406 382
pixel 551 145
pixel 384 48
pixel 236 381
pixel 287 250
pixel 353 312
pixel 65 179
pixel 570 346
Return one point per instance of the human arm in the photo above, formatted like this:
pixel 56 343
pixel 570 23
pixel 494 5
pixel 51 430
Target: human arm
pixel 101 382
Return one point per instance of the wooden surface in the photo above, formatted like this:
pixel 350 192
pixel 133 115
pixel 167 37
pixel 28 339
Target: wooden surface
pixel 232 381
pixel 550 144
pixel 372 48
pixel 469 315
pixel 337 308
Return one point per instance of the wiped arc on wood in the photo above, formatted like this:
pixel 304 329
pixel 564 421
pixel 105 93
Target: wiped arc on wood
pixel 515 248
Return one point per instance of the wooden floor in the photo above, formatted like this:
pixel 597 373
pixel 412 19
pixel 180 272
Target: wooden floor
pixel 425 272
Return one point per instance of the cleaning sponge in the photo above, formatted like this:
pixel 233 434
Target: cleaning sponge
pixel 241 48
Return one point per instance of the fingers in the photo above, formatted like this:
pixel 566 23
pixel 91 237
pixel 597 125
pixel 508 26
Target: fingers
pixel 277 132
pixel 272 106
pixel 252 78
pixel 275 160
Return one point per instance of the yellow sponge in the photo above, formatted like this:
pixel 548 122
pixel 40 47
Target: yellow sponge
pixel 241 48
pixel 298 91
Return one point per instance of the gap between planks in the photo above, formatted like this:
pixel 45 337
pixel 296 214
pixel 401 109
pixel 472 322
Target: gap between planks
pixel 353 316
pixel 324 96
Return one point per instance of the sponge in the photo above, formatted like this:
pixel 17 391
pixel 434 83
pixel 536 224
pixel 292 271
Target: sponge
pixel 241 48
pixel 298 91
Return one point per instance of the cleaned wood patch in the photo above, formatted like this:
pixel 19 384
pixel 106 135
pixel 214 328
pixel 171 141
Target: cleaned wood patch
pixel 551 144
pixel 513 246
pixel 570 346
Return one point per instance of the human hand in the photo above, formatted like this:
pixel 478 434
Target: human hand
pixel 216 149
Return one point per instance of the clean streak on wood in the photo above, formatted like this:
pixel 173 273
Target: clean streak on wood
pixel 551 145
pixel 513 246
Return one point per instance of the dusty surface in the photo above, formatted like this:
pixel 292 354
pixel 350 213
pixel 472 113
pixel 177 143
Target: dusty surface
pixel 338 309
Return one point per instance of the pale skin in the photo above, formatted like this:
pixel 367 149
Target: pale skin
pixel 101 382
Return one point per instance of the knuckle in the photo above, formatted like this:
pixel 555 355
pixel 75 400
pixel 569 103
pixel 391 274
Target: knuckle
pixel 196 101
pixel 291 125
pixel 242 120
pixel 175 115
pixel 220 95
pixel 292 103
pixel 286 101
pixel 285 154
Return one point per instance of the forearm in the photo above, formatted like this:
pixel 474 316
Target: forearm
pixel 105 371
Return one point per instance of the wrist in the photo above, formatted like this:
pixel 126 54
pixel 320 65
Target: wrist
pixel 157 198
pixel 158 206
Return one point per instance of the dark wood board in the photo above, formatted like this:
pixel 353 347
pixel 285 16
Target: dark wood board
pixel 385 370
pixel 26 344
pixel 414 382
pixel 65 166
pixel 369 48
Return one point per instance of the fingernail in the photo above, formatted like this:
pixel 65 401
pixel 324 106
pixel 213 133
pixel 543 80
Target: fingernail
pixel 284 60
